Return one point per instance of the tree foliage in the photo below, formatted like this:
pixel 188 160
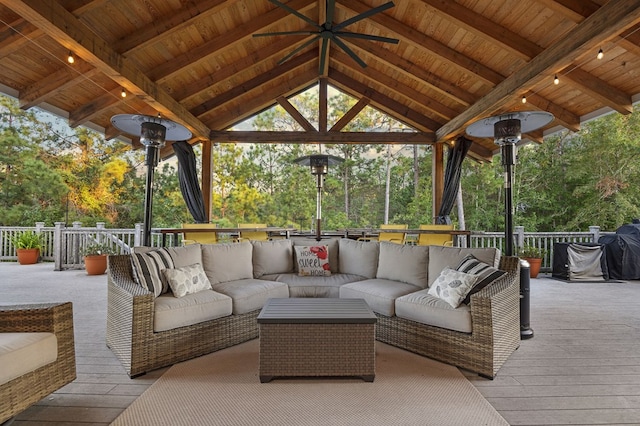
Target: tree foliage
pixel 51 173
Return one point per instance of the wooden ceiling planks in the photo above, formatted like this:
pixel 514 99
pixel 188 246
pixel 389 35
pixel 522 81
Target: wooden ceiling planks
pixel 197 62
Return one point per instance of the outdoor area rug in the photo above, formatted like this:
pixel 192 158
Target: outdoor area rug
pixel 223 388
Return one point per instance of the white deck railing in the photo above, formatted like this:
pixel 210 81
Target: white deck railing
pixel 63 245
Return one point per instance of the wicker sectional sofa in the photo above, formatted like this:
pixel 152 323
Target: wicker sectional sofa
pixel 149 328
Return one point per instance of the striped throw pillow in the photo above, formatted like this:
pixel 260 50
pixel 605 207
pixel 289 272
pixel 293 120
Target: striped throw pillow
pixel 148 267
pixel 486 274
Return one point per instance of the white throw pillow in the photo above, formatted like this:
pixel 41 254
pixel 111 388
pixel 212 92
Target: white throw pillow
pixel 187 280
pixel 486 274
pixel 313 261
pixel 272 257
pixel 441 257
pixel 452 286
pixel 404 263
pixel 358 257
pixel 227 261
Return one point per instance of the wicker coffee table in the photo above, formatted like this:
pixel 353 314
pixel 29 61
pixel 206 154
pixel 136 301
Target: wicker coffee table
pixel 317 337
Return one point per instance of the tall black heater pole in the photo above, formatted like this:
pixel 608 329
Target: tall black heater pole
pixel 153 132
pixel 152 137
pixel 506 130
pixel 507 135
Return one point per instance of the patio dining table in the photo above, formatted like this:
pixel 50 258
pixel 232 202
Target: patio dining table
pixel 271 230
pixel 461 236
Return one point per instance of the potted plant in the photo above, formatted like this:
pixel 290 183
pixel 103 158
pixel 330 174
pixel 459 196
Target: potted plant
pixel 534 256
pixel 95 258
pixel 27 245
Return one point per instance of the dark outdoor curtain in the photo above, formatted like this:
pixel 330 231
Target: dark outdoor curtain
pixel 188 177
pixel 452 178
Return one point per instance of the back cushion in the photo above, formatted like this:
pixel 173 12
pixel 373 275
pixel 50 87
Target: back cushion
pixel 272 257
pixel 227 262
pixel 405 263
pixel 331 243
pixel 441 257
pixel 358 257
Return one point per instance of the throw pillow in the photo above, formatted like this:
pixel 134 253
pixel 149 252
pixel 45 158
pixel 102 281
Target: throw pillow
pixel 186 280
pixel 148 266
pixel 452 286
pixel 485 272
pixel 313 261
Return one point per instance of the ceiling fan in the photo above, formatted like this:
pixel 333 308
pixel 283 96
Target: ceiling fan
pixel 330 32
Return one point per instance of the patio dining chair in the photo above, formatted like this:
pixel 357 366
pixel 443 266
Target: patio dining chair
pixel 253 235
pixel 393 237
pixel 199 237
pixel 443 239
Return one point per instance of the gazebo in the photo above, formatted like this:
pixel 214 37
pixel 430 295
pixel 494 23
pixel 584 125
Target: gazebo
pixel 435 66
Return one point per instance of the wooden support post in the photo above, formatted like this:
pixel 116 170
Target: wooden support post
pixel 207 177
pixel 437 172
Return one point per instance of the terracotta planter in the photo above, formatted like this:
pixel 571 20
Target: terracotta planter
pixel 95 265
pixel 28 256
pixel 534 263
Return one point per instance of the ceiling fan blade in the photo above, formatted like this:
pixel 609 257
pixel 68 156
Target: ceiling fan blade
pixel 298 49
pixel 285 33
pixel 349 52
pixel 323 55
pixel 367 37
pixel 364 15
pixel 294 12
pixel 331 8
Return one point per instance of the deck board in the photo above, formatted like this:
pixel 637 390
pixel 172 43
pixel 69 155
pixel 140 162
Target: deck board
pixel 581 367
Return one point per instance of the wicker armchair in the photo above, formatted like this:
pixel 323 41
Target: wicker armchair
pixel 20 393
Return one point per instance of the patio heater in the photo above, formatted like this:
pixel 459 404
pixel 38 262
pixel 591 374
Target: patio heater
pixel 319 164
pixel 506 129
pixel 153 132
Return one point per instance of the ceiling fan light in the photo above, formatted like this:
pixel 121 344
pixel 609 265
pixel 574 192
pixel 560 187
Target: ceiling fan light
pixel 70 58
pixel 556 80
pixel 600 54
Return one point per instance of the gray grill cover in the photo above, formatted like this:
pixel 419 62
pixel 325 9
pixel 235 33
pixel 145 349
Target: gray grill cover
pixel 585 263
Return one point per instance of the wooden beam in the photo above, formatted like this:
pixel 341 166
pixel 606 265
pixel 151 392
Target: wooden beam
pixel 322 104
pixel 68 31
pixel 393 84
pixel 486 28
pixel 417 138
pixel 186 92
pixel 610 19
pixel 240 33
pixel 598 89
pixel 261 100
pixel 87 111
pixel 254 83
pixel 61 80
pixel 295 114
pixel 350 115
pixel 384 103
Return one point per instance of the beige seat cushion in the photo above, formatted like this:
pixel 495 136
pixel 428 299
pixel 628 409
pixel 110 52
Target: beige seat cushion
pixel 172 312
pixel 380 294
pixel 314 286
pixel 427 309
pixel 21 353
pixel 251 294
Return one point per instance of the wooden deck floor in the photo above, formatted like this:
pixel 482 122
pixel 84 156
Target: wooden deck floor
pixel 581 368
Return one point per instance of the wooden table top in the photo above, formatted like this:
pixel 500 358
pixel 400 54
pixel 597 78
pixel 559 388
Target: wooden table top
pixel 306 310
